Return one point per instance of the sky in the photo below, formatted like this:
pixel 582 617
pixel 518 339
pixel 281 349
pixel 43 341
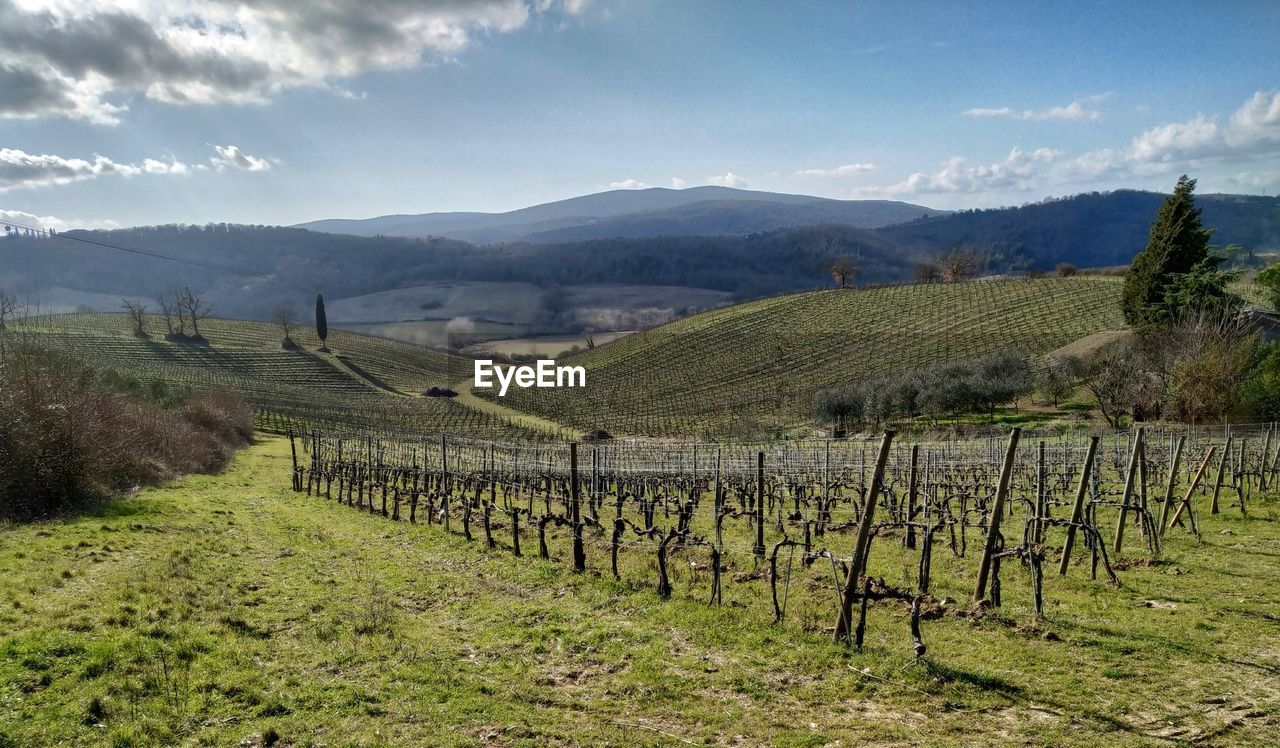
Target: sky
pixel 131 112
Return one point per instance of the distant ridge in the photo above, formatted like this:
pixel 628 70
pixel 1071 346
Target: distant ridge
pixel 656 211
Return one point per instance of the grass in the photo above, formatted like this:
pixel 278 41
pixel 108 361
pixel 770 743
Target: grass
pixel 225 610
pixel 754 368
pixel 364 383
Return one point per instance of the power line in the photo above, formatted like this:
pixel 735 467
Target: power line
pixel 121 248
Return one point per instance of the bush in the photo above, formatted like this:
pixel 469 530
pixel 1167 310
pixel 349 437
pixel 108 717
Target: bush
pixel 953 388
pixel 70 436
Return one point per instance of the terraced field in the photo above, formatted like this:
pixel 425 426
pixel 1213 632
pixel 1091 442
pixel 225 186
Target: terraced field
pixel 755 367
pixel 367 383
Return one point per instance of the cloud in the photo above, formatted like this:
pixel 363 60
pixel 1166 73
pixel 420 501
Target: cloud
pixel 1249 136
pixel 677 183
pixel 232 157
pixel 1074 112
pixel 728 180
pixel 1252 132
pixel 53 223
pixel 86 59
pixel 19 169
pixel 1018 171
pixel 628 184
pixel 839 171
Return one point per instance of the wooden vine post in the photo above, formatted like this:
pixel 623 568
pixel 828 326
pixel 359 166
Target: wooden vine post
pixel 575 497
pixel 1037 529
pixel 1130 474
pixel 1195 483
pixel 758 548
pixel 912 487
pixel 1173 477
pixel 997 511
pixel 1222 471
pixel 1077 510
pixel 864 540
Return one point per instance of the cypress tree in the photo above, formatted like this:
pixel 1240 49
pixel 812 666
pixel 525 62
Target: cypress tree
pixel 1176 244
pixel 322 323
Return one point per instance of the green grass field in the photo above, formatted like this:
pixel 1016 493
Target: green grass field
pixel 364 383
pixel 754 368
pixel 226 610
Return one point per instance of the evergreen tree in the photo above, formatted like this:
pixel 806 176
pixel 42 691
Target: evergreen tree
pixel 1176 244
pixel 322 323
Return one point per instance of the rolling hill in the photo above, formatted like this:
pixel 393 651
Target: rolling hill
pixel 754 368
pixel 367 383
pixel 695 211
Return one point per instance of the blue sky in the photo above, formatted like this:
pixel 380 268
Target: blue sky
pixel 278 112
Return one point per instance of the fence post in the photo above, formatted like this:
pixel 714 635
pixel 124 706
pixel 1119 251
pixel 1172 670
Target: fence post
pixel 864 540
pixel 911 497
pixel 1077 511
pixel 293 451
pixel 1128 486
pixel 579 554
pixel 1222 471
pixel 1173 477
pixel 759 546
pixel 997 512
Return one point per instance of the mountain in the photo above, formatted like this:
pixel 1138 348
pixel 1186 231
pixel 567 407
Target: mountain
pixel 1097 229
pixel 657 211
pixel 245 271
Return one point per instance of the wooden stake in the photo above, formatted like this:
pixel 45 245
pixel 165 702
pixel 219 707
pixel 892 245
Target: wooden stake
pixel 579 554
pixel 1186 500
pixel 864 540
pixel 997 511
pixel 1077 510
pixel 1173 477
pixel 1128 486
pixel 1222 471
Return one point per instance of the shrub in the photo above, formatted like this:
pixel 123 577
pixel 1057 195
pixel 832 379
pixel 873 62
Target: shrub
pixel 71 436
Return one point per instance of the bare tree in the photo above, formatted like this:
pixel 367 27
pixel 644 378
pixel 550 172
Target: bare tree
pixel 844 270
pixel 957 265
pixel 195 307
pixel 137 312
pixel 166 313
pixel 287 317
pixel 927 272
pixel 1113 379
pixel 9 306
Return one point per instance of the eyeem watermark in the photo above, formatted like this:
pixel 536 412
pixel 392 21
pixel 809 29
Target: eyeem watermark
pixel 544 374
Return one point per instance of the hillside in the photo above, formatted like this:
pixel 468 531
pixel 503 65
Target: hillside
pixel 755 367
pixel 366 383
pixel 245 271
pixel 1089 230
pixel 656 211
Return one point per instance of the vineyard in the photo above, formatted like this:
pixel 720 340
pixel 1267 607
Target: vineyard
pixel 755 367
pixel 810 533
pixel 367 383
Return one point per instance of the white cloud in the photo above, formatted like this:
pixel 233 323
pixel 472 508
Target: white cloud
pixel 728 180
pixel 53 223
pixel 86 59
pixel 1250 135
pixel 1252 132
pixel 628 184
pixel 231 156
pixel 677 183
pixel 1017 172
pixel 19 169
pixel 1076 111
pixel 839 171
